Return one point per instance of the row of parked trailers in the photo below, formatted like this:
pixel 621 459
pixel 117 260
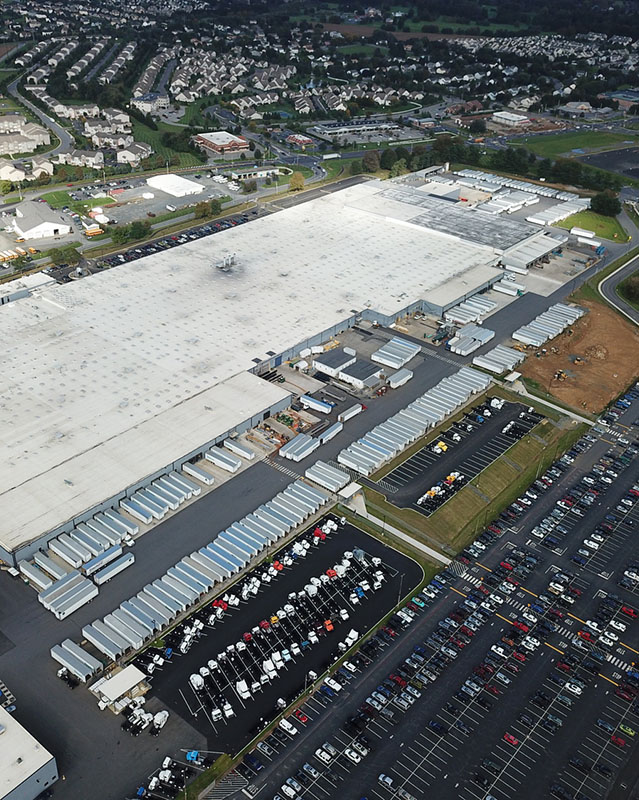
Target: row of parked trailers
pixel 474 177
pixel 469 338
pixel 389 438
pixel 159 497
pixel 396 353
pixel 499 359
pixel 327 476
pixel 154 608
pixel 549 324
pixel 471 310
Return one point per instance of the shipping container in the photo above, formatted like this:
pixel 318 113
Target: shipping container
pixel 130 527
pixel 176 489
pixel 64 553
pixel 182 480
pixel 162 596
pixel 60 587
pixel 110 524
pixel 75 600
pixel 145 496
pixel 223 459
pixel 78 652
pixel 100 627
pixel 71 663
pixel 101 561
pixel 94 547
pixel 350 412
pixel 172 591
pixel 112 650
pixel 145 505
pixel 102 540
pixel 113 569
pixel 164 496
pixel 144 614
pixel 51 567
pixel 35 576
pixel 198 473
pixel 133 624
pixel 316 405
pixel 135 640
pixel 239 449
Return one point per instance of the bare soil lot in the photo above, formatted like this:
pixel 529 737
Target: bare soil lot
pixel 609 348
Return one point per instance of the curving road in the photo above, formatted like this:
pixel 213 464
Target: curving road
pixel 67 141
pixel 608 289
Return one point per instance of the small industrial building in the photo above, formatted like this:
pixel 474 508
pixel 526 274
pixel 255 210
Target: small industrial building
pixel 26 767
pixel 222 143
pixel 509 119
pixel 361 374
pixel 35 220
pixel 333 361
pixel 253 174
pixel 175 185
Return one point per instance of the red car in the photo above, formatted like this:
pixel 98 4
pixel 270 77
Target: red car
pixel 505 565
pixel 633 492
pixel 389 631
pixel 575 592
pixel 511 667
pixel 519 656
pixel 629 611
pixel 492 689
pixel 618 740
pixel 247 637
pixel 564 667
pixel 301 715
pixel 508 737
pixel 586 636
pixel 412 607
pixel 399 681
pixel 522 626
pixel 483 589
pixel 624 695
pixel 512 581
pixel 265 625
pixel 466 631
pixel 556 614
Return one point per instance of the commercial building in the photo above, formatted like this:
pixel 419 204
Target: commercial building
pixel 37 221
pixel 222 143
pixel 26 767
pixel 509 120
pixel 175 185
pixel 328 130
pixel 116 379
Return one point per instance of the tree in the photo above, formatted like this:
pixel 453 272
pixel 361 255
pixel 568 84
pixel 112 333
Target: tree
pixel 120 234
pixel 65 255
pixel 5 187
pixel 388 159
pixel 356 167
pixel 605 203
pixel 201 210
pixel 630 288
pixel 399 168
pixel 249 186
pixel 215 207
pixel 370 162
pixel 477 126
pixel 297 182
pixel 402 153
pixel 139 229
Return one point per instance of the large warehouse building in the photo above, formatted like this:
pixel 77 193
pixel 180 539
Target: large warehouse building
pixel 112 380
pixel 27 769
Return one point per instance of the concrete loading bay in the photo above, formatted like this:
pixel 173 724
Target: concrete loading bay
pixel 472 760
pixel 479 447
pixel 172 686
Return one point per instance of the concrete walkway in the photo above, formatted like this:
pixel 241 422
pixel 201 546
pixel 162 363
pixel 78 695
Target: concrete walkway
pixel 521 389
pixel 358 505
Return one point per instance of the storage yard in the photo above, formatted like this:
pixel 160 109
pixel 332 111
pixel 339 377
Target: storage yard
pixel 590 367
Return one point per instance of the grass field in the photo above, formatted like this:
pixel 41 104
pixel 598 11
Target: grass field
pixel 553 145
pixel 461 518
pixel 143 133
pixel 606 227
pixel 60 199
pixel 621 290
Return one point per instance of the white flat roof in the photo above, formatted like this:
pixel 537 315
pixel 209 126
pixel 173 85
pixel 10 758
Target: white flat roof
pixel 117 686
pixel 110 378
pixel 175 185
pixel 20 754
pixel 222 138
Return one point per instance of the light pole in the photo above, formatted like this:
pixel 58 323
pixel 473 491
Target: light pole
pixel 399 591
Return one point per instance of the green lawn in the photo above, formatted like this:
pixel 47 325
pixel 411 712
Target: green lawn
pixel 284 180
pixel 606 227
pixel 60 199
pixel 621 290
pixel 143 133
pixel 553 145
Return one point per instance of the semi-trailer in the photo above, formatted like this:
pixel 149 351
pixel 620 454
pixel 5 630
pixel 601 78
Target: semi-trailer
pixel 198 473
pixel 113 569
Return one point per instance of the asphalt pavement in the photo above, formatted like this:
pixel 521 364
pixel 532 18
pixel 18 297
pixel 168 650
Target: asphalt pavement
pixel 426 764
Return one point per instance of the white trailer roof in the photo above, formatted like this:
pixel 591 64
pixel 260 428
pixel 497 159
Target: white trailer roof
pixel 117 686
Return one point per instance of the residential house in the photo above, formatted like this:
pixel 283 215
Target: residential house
pixel 114 140
pixel 150 103
pixel 134 153
pixel 82 158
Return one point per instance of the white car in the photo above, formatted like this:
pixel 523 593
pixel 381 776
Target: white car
pixel 573 688
pixel 507 588
pixel 527 615
pixel 594 626
pixel 592 545
pixel 611 635
pixel 597 537
pixel 495 598
pixel 605 641
pixel 285 725
pixel 618 626
pixel 630 573
pixel 352 755
pixel 568 599
pixel 323 756
pixel 498 650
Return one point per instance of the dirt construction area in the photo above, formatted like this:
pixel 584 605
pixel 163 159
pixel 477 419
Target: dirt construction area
pixel 596 362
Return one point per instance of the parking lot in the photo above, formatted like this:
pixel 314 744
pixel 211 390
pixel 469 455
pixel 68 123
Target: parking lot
pixel 471 447
pixel 528 699
pixel 302 625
